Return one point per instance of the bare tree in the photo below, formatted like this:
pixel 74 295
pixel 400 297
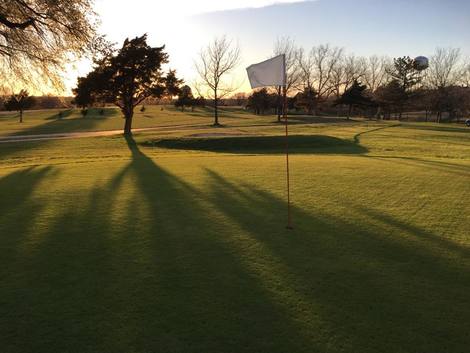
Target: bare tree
pixel 443 68
pixel 318 68
pixel 443 73
pixel 216 61
pixel 465 74
pixel 307 68
pixel 345 71
pixel 38 37
pixel 354 70
pixel 286 46
pixel 337 78
pixel 375 74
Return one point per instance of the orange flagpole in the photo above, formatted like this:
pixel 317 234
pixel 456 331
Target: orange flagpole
pixel 289 218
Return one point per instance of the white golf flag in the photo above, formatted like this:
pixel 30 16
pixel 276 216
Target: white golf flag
pixel 271 72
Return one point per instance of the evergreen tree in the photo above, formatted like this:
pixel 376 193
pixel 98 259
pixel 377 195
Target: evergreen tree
pixel 130 76
pixel 404 72
pixel 354 96
pixel 261 101
pixel 200 102
pixel 185 98
pixel 390 97
pixel 307 100
pixel 84 95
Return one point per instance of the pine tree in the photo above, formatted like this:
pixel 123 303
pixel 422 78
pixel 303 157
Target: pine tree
pixel 130 76
pixel 185 98
pixel 354 96
pixel 405 73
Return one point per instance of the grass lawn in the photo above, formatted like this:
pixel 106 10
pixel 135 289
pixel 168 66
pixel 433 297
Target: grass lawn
pixel 50 121
pixel 175 241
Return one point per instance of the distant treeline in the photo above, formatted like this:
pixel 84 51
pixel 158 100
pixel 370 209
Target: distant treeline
pixel 452 104
pixel 327 80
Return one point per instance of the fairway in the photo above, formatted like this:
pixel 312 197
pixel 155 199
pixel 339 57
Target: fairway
pixel 175 240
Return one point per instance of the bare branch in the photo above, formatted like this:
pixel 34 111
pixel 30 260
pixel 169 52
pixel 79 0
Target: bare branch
pixel 286 46
pixel 319 68
pixel 444 68
pixel 15 25
pixel 39 37
pixel 215 62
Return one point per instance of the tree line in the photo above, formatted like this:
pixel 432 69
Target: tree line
pixel 326 76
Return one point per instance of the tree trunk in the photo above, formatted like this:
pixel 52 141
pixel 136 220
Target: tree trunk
pixel 279 104
pixel 21 116
pixel 216 110
pixel 378 113
pixel 349 111
pixel 452 115
pixel 128 122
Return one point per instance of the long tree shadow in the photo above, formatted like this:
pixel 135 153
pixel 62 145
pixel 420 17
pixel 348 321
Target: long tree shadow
pixel 140 264
pixel 441 166
pixel 62 114
pixel 198 274
pixel 19 212
pixel 375 292
pixel 17 208
pixel 439 243
pixel 147 262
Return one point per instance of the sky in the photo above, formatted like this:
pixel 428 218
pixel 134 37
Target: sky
pixel 363 27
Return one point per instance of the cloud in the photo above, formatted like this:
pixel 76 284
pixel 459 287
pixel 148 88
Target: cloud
pixel 175 8
pixel 217 5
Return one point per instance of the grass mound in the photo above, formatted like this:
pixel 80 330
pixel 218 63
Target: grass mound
pixel 263 144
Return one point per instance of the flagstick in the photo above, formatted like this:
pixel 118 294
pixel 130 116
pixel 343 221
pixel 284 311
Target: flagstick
pixel 289 220
pixel 266 74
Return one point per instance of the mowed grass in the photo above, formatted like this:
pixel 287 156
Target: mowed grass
pixel 176 241
pixel 52 121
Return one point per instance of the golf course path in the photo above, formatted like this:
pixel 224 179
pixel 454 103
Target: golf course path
pixel 103 133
